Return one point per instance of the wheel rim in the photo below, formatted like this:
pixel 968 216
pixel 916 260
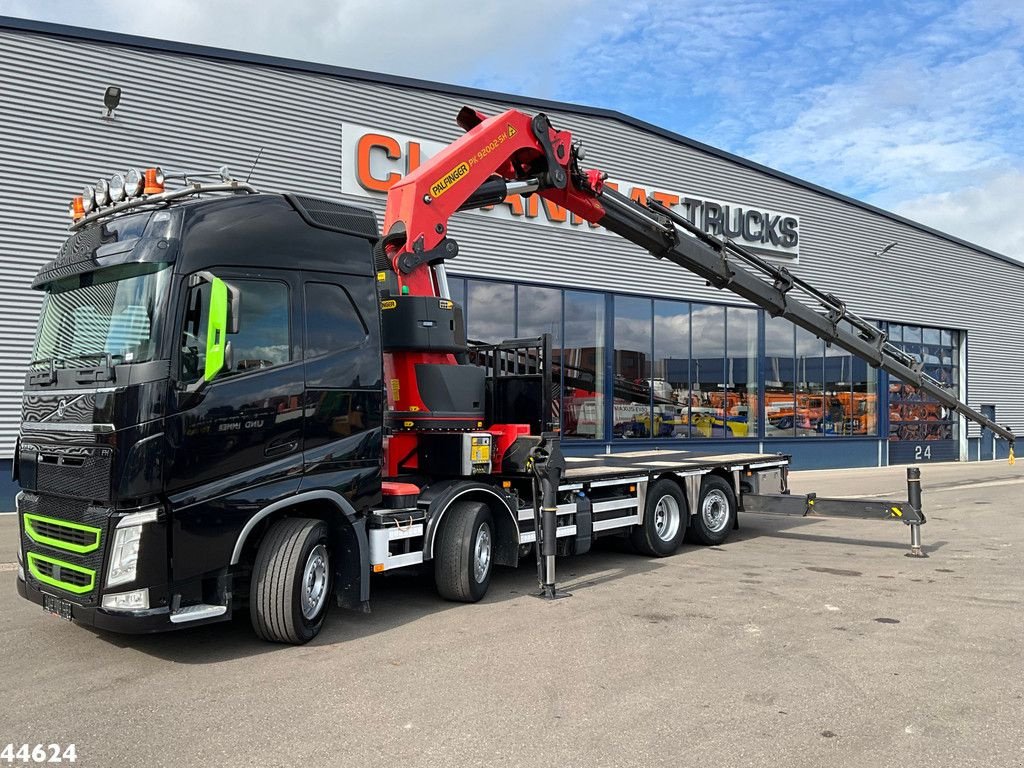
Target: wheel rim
pixel 482 553
pixel 715 511
pixel 314 581
pixel 667 518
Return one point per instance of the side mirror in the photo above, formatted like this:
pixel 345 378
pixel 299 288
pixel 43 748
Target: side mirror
pixel 222 319
pixel 216 329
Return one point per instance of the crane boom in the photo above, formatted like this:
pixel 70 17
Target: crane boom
pixel 726 265
pixel 515 153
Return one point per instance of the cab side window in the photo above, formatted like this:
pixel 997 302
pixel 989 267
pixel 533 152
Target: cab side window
pixel 341 350
pixel 332 321
pixel 263 338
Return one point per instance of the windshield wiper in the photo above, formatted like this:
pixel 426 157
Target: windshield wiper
pixel 43 378
pixel 91 374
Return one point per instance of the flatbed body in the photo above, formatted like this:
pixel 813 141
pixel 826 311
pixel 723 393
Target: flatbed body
pixel 615 465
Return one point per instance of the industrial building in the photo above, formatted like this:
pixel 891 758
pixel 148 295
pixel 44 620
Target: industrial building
pixel 650 355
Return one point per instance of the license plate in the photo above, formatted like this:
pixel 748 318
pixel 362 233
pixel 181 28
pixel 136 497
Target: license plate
pixel 57 607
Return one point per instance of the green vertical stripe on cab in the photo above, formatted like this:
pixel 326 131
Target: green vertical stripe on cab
pixel 216 328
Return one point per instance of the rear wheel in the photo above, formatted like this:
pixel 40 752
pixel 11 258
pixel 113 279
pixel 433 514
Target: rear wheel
pixel 291 581
pixel 716 511
pixel 664 523
pixel 464 553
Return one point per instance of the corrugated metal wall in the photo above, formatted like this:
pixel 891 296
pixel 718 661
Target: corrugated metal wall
pixel 189 112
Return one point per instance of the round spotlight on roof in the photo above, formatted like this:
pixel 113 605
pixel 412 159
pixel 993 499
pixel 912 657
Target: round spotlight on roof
pixel 102 192
pixel 88 200
pixel 117 188
pixel 132 182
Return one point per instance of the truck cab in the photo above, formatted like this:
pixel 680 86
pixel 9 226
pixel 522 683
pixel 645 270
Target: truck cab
pixel 200 363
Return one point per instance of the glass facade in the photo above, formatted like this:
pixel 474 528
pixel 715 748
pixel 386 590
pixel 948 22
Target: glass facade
pixel 637 368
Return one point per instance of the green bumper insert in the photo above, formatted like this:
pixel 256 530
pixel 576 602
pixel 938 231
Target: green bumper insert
pixel 62 534
pixel 67 576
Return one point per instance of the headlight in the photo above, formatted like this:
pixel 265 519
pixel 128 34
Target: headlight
pixel 124 555
pixel 102 192
pixel 136 600
pixel 117 188
pixel 132 182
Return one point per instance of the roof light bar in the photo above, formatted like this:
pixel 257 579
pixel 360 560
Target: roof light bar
pixel 137 187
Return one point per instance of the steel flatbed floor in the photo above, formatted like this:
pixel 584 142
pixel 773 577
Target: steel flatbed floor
pixel 611 465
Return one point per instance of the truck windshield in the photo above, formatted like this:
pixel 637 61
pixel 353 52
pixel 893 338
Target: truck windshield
pixel 112 311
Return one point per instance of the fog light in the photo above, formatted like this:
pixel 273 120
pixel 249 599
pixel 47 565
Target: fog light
pixel 136 600
pixel 21 572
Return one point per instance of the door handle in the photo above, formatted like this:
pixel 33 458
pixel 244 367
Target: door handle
pixel 277 449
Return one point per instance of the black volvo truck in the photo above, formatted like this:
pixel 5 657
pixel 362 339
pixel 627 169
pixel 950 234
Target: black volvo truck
pixel 203 423
pixel 253 401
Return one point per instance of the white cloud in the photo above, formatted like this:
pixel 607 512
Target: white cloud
pixel 987 213
pixel 434 40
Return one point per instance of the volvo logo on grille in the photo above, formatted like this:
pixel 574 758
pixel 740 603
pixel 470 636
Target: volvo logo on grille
pixel 62 408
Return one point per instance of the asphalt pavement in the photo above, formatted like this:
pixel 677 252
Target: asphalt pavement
pixel 798 643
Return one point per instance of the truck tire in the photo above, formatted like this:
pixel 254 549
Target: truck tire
pixel 464 553
pixel 716 512
pixel 664 523
pixel 290 591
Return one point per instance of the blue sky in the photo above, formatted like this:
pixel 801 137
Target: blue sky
pixel 917 107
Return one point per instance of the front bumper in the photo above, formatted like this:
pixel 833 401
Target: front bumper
pixel 133 623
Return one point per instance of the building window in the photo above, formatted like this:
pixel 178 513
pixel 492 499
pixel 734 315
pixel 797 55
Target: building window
pixel 707 368
pixel 670 385
pixel 779 377
pixel 582 359
pixel 490 308
pixel 631 387
pixel 741 400
pixel 815 390
pixel 539 311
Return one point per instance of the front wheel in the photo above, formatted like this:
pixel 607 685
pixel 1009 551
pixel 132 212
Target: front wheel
pixel 464 554
pixel 664 523
pixel 291 581
pixel 716 511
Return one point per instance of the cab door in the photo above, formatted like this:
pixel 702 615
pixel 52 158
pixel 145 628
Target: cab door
pixel 237 443
pixel 344 394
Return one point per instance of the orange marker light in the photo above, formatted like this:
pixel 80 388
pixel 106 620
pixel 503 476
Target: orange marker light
pixel 76 208
pixel 154 181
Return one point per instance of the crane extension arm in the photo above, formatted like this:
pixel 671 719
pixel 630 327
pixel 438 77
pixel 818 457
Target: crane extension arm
pixel 513 153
